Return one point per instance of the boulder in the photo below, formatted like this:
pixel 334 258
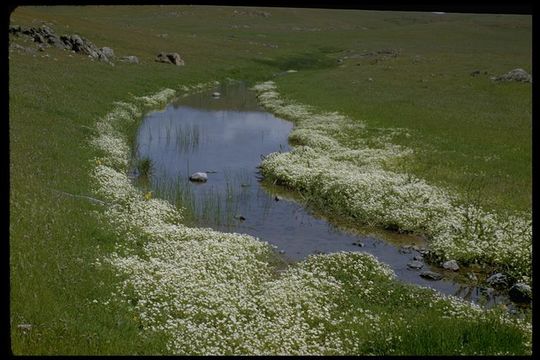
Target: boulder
pixel 519 75
pixel 451 265
pixel 198 177
pixel 130 59
pixel 170 58
pixel 430 275
pixel 415 264
pixel 520 292
pixel 497 280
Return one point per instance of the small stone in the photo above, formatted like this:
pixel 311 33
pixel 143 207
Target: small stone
pixel 415 264
pixel 418 257
pixel 277 198
pixel 239 217
pixel 281 251
pixel 216 94
pixel 170 58
pixel 405 249
pixel 497 280
pixel 430 275
pixel 198 177
pixel 520 292
pixel 451 265
pixel 358 243
pixel 130 59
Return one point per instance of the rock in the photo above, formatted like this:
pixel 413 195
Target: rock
pixel 130 59
pixel 405 249
pixel 358 243
pixel 475 73
pixel 280 251
pixel 497 279
pixel 198 177
pixel 520 292
pixel 15 29
pixel 472 276
pixel 430 275
pixel 515 75
pixel 39 38
pixel 451 265
pixel 418 257
pixel 108 52
pixel 170 58
pixel 239 217
pixel 24 326
pixel 216 94
pixel 76 42
pixel 415 264
pixel 55 40
pixel 277 198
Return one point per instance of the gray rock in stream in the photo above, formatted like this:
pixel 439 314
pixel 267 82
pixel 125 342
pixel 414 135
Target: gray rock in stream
pixel 415 264
pixel 430 275
pixel 520 292
pixel 198 177
pixel 451 265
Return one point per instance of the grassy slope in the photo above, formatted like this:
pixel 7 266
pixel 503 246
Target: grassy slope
pixel 54 237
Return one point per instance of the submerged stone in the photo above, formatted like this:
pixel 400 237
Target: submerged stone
pixel 415 264
pixel 430 275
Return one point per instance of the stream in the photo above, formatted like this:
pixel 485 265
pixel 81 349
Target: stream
pixel 226 136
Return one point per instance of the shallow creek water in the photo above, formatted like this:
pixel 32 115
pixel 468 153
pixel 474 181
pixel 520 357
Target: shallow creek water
pixel 226 136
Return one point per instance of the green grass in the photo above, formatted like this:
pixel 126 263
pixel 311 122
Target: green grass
pixel 456 122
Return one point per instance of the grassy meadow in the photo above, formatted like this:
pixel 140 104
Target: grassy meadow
pixel 468 134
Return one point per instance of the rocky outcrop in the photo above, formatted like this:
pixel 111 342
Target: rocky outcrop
pixel 170 58
pixel 45 36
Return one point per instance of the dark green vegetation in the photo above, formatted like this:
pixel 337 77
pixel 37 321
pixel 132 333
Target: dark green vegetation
pixel 465 129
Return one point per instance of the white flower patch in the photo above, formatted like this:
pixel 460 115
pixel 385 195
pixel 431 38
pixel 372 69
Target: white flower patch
pixel 357 183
